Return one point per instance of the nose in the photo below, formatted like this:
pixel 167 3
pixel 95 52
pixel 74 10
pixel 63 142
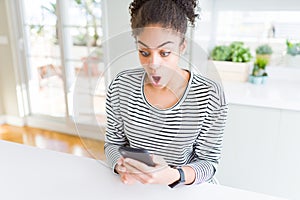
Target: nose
pixel 154 61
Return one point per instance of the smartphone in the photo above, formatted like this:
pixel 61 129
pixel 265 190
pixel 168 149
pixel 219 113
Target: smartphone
pixel 138 154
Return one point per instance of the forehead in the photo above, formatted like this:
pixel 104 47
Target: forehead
pixel 155 36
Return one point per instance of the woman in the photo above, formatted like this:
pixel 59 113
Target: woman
pixel 178 116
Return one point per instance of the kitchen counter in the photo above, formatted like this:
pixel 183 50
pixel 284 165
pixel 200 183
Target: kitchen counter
pixel 281 91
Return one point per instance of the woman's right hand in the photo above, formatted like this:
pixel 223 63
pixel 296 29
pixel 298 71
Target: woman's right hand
pixel 124 176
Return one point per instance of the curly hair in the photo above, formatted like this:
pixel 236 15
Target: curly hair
pixel 173 14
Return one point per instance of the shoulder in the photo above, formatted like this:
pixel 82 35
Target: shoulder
pixel 202 81
pixel 214 89
pixel 128 78
pixel 135 74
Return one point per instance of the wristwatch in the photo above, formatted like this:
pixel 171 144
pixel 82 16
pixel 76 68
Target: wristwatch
pixel 181 179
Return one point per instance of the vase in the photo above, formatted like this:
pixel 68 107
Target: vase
pixel 257 80
pixel 264 79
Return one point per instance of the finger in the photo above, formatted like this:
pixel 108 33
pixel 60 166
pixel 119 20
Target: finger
pixel 160 163
pixel 143 178
pixel 145 168
pixel 120 161
pixel 159 160
pixel 123 178
pixel 137 165
pixel 138 175
pixel 129 179
pixel 131 168
pixel 120 168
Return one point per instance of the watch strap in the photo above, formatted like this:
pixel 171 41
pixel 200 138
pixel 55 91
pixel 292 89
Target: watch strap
pixel 181 179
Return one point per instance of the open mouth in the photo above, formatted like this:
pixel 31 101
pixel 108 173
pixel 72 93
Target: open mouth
pixel 156 79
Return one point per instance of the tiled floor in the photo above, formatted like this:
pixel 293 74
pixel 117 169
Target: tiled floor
pixel 53 140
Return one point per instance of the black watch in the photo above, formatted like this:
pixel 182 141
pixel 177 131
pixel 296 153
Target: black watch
pixel 181 179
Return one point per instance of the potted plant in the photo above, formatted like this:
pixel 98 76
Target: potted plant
pixel 293 54
pixel 259 74
pixel 264 51
pixel 232 62
pixel 221 53
pixel 239 53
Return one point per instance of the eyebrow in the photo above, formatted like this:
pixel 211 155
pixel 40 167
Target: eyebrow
pixel 163 44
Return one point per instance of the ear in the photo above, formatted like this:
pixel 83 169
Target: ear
pixel 183 47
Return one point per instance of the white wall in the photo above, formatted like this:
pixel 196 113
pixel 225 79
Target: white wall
pixel 1 105
pixel 119 44
pixel 8 85
pixel 258 5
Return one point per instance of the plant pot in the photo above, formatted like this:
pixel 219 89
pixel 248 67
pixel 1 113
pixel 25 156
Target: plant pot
pixel 230 71
pixel 257 80
pixel 264 79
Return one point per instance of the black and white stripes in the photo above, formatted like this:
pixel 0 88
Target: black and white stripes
pixel 189 133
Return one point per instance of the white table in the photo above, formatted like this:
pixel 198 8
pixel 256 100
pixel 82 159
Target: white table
pixel 38 174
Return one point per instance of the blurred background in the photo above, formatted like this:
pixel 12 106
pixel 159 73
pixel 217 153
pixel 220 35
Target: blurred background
pixel 58 57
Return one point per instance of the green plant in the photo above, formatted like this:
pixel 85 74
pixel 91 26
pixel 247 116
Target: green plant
pixel 239 53
pixel 293 49
pixel 221 53
pixel 259 68
pixel 264 49
pixel 235 52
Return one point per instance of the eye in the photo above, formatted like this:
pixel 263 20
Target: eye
pixel 165 53
pixel 144 53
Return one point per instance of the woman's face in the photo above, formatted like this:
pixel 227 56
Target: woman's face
pixel 159 50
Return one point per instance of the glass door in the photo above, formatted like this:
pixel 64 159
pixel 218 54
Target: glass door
pixel 64 59
pixel 43 55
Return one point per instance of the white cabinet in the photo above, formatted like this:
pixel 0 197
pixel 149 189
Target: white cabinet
pixel 260 151
pixel 288 162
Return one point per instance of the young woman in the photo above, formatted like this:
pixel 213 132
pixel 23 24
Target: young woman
pixel 177 115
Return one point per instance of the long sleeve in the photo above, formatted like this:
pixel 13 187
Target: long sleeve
pixel 209 141
pixel 114 136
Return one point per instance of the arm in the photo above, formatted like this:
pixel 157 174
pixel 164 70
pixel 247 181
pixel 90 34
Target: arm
pixel 209 141
pixel 114 136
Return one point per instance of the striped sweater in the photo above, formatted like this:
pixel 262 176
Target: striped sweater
pixel 189 133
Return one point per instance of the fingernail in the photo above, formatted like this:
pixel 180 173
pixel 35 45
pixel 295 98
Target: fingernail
pixel 124 181
pixel 122 169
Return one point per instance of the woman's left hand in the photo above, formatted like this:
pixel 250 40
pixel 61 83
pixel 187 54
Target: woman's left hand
pixel 160 174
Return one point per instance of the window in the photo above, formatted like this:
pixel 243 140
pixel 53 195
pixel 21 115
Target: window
pixel 63 47
pixel 258 27
pixel 253 27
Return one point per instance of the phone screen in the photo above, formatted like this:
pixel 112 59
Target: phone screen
pixel 138 154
